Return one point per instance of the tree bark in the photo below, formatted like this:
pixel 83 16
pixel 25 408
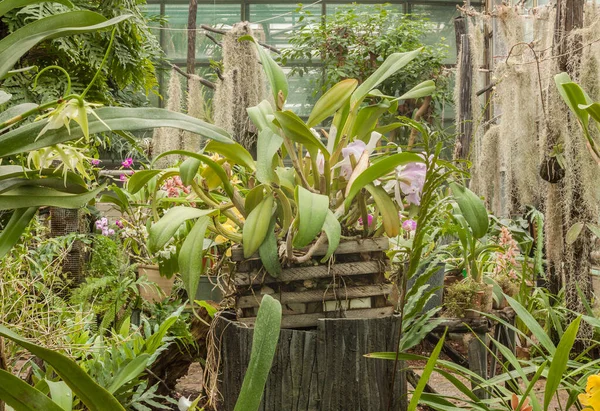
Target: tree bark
pixel 191 49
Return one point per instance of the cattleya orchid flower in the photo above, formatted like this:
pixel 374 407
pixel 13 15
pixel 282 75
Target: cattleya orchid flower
pixel 369 220
pixel 409 225
pixel 356 149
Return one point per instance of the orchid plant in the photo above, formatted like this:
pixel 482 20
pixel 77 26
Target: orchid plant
pixel 341 184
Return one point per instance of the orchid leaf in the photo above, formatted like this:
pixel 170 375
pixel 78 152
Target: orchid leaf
pixel 295 129
pixel 333 230
pixel 267 146
pixel 8 5
pixel 21 396
pixel 139 179
pixel 331 101
pixel 573 232
pixel 234 153
pixel 257 226
pixel 162 231
pixel 191 257
pixel 10 235
pixel 312 212
pixel 188 170
pixel 387 209
pixel 472 208
pixel 573 96
pixel 423 89
pixel 24 197
pixel 269 252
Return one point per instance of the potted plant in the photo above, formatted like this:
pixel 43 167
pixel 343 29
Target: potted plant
pixel 345 191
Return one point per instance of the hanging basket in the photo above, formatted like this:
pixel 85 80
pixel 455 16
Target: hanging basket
pixel 351 285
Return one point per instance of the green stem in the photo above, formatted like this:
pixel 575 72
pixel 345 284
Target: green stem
pixel 68 90
pixel 112 39
pixel 28 113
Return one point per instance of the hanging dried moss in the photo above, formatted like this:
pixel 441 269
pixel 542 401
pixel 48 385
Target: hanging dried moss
pixel 195 108
pixel 167 139
pixel 243 86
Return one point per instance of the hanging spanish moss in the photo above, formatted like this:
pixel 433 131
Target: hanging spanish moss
pixel 534 153
pixel 243 86
pixel 195 108
pixel 167 139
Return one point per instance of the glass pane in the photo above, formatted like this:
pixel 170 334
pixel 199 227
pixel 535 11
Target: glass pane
pixel 275 22
pixel 441 30
pixel 302 96
pixel 175 39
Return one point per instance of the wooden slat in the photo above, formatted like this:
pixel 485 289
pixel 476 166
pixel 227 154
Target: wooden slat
pixel 339 293
pixel 367 245
pixel 311 320
pixel 310 272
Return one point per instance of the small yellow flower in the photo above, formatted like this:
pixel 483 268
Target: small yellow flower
pixel 591 398
pixel 230 227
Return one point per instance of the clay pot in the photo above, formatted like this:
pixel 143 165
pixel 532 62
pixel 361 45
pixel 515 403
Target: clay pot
pixel 164 284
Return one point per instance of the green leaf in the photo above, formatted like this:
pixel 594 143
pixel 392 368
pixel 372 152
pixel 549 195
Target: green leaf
pixel 19 42
pixel 61 394
pixel 312 212
pixel 8 5
pixel 377 170
pixel 15 111
pixel 257 225
pixel 331 101
pixel 366 121
pixel 131 371
pixel 389 67
pixel 574 232
pixel 472 208
pixel 261 116
pixel 536 329
pixel 420 90
pixel 266 147
pixel 594 228
pixel 269 252
pixel 264 344
pixel 161 232
pixel 573 96
pixel 295 129
pixel 427 371
pixel 254 197
pixel 191 257
pixel 139 179
pixel 25 197
pixel 18 222
pixel 333 230
pixel 25 137
pixel 234 153
pixel 558 364
pixel 592 109
pixel 23 397
pixel 188 170
pixel 91 394
pixel 275 74
pixel 4 96
pixel 387 209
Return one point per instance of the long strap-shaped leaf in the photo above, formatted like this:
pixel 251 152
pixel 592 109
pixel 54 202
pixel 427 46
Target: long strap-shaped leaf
pixel 25 138
pixel 41 196
pixel 22 396
pixel 16 44
pixel 91 394
pixel 264 343
pixel 8 5
pixel 13 230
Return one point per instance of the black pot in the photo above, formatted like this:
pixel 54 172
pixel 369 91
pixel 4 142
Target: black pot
pixel 551 171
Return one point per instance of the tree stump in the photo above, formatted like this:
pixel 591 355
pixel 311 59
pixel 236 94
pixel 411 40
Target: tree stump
pixel 323 369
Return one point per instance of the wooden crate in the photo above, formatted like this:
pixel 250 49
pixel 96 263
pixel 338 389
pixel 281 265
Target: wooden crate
pixel 353 285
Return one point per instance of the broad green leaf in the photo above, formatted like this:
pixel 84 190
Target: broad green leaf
pixel 331 101
pixel 472 208
pixel 264 344
pixel 295 129
pixel 312 212
pixel 15 111
pixel 262 116
pixel 594 228
pixel 536 329
pixel 379 169
pixel 254 197
pixel 257 225
pixel 333 230
pixel 140 178
pixel 25 197
pixel 22 396
pixel 162 231
pixel 269 252
pixel 11 233
pixel 390 66
pixel 19 42
pixel 420 90
pixel 427 371
pixel 284 209
pixel 387 209
pixel 275 74
pixel 25 137
pixel 91 394
pixel 132 370
pixel 8 5
pixel 338 123
pixel 267 146
pixel 573 233
pixel 366 121
pixel 573 96
pixel 191 257
pixel 234 153
pixel 558 364
pixel 216 167
pixel 188 170
pixel 61 394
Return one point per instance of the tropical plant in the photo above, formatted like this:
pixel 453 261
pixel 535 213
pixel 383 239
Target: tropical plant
pixel 23 190
pixel 331 187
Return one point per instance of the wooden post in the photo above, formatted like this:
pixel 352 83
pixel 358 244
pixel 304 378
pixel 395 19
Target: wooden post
pixel 465 110
pixel 191 48
pixel 460 28
pixel 322 369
